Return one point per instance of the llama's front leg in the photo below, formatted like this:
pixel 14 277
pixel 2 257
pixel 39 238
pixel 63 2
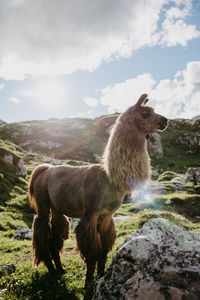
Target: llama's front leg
pixel 89 244
pixel 106 228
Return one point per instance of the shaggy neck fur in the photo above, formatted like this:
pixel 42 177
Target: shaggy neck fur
pixel 126 159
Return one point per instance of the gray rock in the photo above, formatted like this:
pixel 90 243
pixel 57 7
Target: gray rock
pixel 22 169
pixel 159 261
pixel 8 158
pixel 155 145
pixel 73 222
pixel 120 218
pixel 55 162
pixel 8 269
pixel 23 233
pixel 193 175
pixel 155 172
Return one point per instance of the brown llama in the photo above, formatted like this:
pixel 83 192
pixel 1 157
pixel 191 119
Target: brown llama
pixel 91 193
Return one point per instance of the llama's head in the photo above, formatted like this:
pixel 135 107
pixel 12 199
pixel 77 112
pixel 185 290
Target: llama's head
pixel 145 119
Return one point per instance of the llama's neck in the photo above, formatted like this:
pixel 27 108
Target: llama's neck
pixel 126 159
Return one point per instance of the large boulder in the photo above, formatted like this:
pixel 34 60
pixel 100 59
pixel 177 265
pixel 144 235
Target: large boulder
pixel 160 261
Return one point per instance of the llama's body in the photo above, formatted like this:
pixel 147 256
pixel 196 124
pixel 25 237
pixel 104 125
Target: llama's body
pixel 92 192
pixel 76 191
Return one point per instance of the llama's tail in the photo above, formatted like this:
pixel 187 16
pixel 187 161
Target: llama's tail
pixel 36 172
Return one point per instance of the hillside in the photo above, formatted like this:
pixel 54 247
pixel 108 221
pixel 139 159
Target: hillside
pixel 85 139
pixel 174 194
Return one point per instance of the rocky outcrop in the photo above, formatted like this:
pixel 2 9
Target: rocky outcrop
pixel 155 145
pixel 159 261
pixel 8 158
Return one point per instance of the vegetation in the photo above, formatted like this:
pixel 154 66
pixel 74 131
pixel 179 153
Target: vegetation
pixel 179 207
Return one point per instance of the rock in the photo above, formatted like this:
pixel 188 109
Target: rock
pixel 23 234
pixel 120 218
pixel 167 176
pixel 22 169
pixel 159 261
pixel 8 269
pixel 8 158
pixel 73 222
pixel 155 172
pixel 189 206
pixel 193 175
pixel 155 145
pixel 190 140
pixel 55 162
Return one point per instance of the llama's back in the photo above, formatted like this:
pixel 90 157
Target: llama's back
pixel 72 189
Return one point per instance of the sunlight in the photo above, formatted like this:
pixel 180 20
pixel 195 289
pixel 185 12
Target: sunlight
pixel 49 93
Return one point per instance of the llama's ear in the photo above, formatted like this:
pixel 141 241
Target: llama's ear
pixel 142 100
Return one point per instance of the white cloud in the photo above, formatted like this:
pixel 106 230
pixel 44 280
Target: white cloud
pixel 91 101
pixel 177 32
pixel 58 37
pixel 14 100
pixel 174 30
pixel 175 98
pixel 1 86
pixel 124 94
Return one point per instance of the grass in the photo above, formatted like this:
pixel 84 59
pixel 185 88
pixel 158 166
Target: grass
pixel 28 283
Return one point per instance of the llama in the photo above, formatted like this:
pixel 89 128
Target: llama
pixel 91 193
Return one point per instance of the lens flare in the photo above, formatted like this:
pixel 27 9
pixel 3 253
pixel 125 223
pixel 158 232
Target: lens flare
pixel 146 195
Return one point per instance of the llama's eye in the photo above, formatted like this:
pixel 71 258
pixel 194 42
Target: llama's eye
pixel 146 115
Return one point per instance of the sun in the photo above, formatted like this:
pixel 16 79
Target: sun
pixel 49 93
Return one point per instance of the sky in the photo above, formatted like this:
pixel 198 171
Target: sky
pixel 88 58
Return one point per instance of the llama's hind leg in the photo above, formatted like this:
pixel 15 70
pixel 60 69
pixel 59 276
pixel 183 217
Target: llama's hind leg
pixel 40 242
pixel 89 244
pixel 106 228
pixel 60 230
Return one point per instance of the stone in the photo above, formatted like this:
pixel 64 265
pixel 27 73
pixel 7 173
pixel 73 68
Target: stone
pixel 55 162
pixel 167 176
pixel 73 223
pixel 23 233
pixel 155 145
pixel 8 269
pixel 22 169
pixel 8 158
pixel 120 218
pixel 160 261
pixel 193 175
pixel 155 172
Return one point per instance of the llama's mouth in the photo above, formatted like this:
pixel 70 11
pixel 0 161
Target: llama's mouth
pixel 163 123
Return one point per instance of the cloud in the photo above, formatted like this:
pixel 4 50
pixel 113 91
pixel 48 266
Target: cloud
pixel 1 86
pixel 14 100
pixel 176 98
pixel 123 94
pixel 177 33
pixel 91 101
pixel 48 37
